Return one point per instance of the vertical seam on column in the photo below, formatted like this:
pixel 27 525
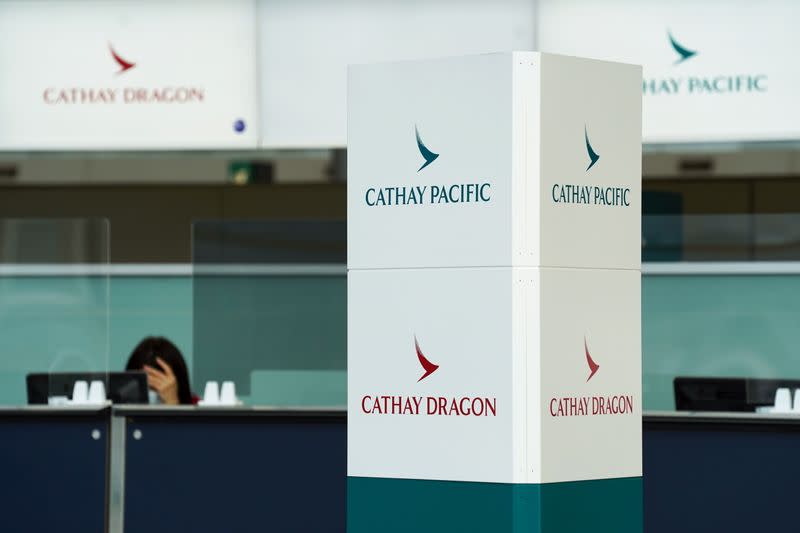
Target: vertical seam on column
pixel 539 346
pixel 526 301
pixel 524 233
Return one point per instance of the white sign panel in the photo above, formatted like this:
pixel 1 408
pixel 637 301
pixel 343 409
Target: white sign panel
pixel 586 373
pixel 713 71
pixel 426 375
pixel 507 375
pixel 493 160
pixel 127 75
pixel 305 48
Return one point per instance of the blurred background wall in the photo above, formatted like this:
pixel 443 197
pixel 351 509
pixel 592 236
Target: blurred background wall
pixel 232 113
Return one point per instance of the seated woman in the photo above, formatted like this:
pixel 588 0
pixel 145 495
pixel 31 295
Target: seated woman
pixel 167 375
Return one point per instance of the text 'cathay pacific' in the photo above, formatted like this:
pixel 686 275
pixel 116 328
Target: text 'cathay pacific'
pixel 459 193
pixel 591 195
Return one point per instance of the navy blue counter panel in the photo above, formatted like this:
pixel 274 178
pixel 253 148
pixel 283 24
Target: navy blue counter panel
pixel 53 473
pixel 721 476
pixel 235 474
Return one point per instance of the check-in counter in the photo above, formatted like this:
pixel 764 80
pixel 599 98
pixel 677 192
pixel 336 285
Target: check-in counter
pixel 167 469
pixel 229 470
pixel 721 472
pixel 54 467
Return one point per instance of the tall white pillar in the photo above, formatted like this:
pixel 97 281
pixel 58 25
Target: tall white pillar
pixel 494 337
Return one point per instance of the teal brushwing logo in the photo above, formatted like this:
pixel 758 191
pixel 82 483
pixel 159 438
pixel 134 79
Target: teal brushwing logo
pixel 427 155
pixel 704 81
pixel 455 193
pixel 682 51
pixel 593 157
pixel 595 194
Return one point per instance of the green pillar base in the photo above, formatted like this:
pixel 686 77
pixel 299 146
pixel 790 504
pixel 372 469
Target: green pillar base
pixel 422 506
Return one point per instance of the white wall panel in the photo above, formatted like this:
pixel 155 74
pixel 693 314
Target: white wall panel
pixel 306 45
pixel 190 82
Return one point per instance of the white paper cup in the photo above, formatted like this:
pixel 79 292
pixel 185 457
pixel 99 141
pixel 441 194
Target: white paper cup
pixel 97 392
pixel 227 395
pixel 80 393
pixel 211 394
pixel 783 400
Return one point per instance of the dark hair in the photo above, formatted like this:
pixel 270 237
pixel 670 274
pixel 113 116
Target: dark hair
pixel 146 352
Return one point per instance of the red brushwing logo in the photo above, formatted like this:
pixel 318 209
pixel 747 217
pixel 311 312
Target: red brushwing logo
pixel 429 367
pixel 123 64
pixel 375 403
pixel 598 405
pixel 593 367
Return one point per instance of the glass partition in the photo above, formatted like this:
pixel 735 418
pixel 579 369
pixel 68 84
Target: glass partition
pixel 54 309
pixel 736 319
pixel 725 325
pixel 270 310
pixel 739 237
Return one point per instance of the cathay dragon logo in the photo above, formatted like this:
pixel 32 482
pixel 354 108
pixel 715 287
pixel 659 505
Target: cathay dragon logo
pixel 427 155
pixel 461 405
pixel 123 64
pixel 121 93
pixel 427 366
pixel 683 52
pixel 593 367
pixel 604 404
pixel 593 157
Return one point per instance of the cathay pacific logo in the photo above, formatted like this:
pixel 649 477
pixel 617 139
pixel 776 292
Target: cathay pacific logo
pixel 683 52
pixel 123 64
pixel 428 367
pixel 706 83
pixel 427 155
pixel 578 193
pixel 468 191
pixel 593 157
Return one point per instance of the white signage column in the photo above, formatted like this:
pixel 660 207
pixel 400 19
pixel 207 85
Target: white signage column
pixel 494 340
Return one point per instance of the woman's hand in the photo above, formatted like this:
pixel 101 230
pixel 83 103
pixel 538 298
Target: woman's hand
pixel 163 382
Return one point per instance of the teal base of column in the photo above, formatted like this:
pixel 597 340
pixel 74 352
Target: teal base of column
pixel 422 506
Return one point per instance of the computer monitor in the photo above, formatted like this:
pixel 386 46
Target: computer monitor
pixel 727 394
pixel 121 387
